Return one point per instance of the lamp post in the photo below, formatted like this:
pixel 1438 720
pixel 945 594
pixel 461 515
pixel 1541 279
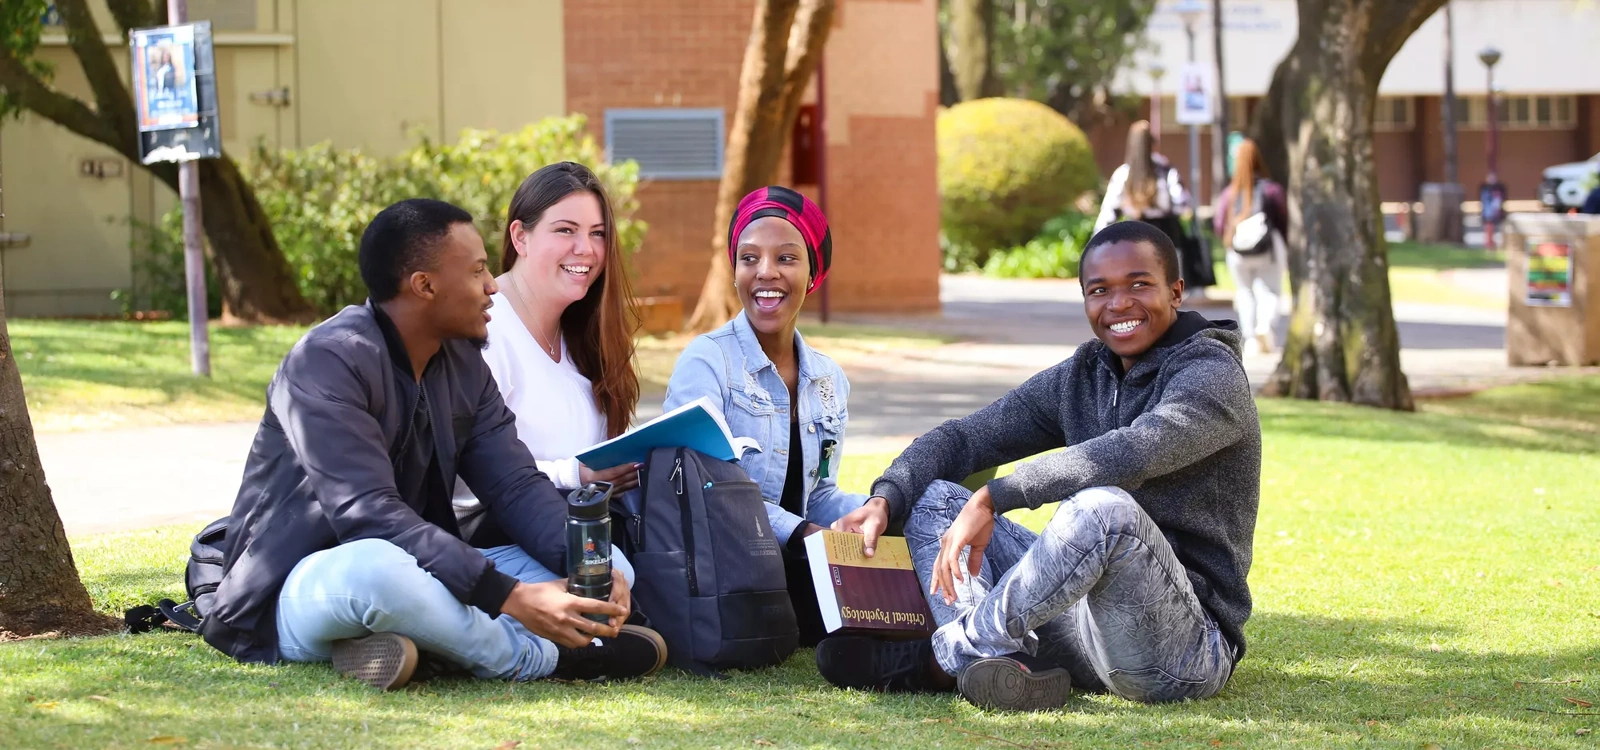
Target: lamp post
pixel 1156 71
pixel 1492 194
pixel 1190 11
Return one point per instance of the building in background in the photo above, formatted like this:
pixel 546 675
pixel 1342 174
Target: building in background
pixel 1549 90
pixel 657 81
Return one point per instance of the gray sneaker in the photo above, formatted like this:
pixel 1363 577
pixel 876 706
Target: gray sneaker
pixel 1009 684
pixel 382 660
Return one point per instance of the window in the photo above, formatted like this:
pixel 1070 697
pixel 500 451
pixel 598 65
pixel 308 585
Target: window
pixel 1543 112
pixel 669 144
pixel 1394 113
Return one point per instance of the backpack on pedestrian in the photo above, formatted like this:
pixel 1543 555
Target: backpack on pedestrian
pixel 709 570
pixel 1252 235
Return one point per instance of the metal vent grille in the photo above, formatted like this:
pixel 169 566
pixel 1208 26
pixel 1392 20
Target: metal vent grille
pixel 669 144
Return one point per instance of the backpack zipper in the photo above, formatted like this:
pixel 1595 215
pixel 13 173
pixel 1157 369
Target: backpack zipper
pixel 686 517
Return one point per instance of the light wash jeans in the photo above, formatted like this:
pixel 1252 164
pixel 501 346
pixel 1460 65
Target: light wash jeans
pixel 371 586
pixel 1099 592
pixel 1259 285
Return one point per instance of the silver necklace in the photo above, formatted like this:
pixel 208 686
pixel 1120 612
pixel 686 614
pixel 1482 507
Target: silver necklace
pixel 522 306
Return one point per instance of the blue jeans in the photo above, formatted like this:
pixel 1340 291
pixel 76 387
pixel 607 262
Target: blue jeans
pixel 1100 592
pixel 371 586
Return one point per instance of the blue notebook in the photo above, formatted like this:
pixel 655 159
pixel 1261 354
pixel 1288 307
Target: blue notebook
pixel 698 424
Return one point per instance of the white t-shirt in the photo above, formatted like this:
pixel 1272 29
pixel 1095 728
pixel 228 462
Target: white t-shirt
pixel 556 413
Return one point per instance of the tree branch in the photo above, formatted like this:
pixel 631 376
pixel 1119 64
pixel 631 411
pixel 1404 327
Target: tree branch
pixel 111 96
pixel 136 14
pixel 807 37
pixel 68 112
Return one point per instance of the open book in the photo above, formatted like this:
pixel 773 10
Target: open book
pixel 876 595
pixel 698 424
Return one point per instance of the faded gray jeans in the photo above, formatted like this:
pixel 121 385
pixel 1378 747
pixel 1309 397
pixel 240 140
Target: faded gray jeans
pixel 1100 592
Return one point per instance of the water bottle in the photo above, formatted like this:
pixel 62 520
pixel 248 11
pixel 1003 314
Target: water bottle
pixel 589 544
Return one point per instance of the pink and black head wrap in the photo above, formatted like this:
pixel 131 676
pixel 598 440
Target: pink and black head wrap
pixel 795 209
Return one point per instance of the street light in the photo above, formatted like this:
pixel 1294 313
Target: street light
pixel 1157 70
pixel 1492 195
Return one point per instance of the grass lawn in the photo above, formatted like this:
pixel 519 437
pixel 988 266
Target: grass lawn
pixel 1414 274
pixel 95 375
pixel 1420 580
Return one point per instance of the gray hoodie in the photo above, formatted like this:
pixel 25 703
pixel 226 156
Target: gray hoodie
pixel 1179 432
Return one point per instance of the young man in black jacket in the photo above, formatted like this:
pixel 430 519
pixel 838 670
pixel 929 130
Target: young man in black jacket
pixel 1138 583
pixel 343 545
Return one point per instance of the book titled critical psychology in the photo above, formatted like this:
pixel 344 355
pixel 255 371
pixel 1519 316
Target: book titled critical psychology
pixel 877 595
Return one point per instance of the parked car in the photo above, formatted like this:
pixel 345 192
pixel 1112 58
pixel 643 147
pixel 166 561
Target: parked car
pixel 1566 185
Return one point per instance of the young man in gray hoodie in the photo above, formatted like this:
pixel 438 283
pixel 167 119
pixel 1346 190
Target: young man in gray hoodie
pixel 1137 585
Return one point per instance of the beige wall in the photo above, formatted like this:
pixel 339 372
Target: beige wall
pixel 371 71
pixel 79 225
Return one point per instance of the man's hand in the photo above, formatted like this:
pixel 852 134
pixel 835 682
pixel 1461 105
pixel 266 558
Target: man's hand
pixel 622 478
pixel 972 528
pixel 620 596
pixel 868 520
pixel 550 612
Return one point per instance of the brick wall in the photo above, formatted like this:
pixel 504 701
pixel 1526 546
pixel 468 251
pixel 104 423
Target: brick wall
pixel 883 201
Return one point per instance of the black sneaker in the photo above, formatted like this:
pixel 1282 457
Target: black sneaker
pixel 635 652
pixel 866 663
pixel 385 661
pixel 1014 683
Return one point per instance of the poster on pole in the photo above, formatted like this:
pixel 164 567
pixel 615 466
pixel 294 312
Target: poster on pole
pixel 175 92
pixel 1549 273
pixel 1197 87
pixel 164 87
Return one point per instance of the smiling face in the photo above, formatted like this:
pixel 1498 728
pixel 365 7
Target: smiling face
pixel 563 253
pixel 459 286
pixel 1128 297
pixel 771 272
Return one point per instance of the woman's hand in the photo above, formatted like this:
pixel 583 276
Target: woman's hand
pixel 869 521
pixel 622 478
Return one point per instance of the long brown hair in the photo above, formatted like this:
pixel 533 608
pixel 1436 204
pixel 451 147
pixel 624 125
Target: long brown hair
pixel 599 327
pixel 1247 168
pixel 1139 191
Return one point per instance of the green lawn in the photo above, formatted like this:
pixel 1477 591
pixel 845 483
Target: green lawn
pixel 94 375
pixel 1414 274
pixel 1420 580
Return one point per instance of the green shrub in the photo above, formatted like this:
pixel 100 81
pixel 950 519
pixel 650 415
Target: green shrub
pixel 320 198
pixel 1005 167
pixel 1054 254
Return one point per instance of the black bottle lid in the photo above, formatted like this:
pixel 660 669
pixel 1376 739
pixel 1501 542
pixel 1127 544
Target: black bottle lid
pixel 591 503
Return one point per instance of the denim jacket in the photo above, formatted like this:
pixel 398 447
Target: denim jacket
pixel 728 366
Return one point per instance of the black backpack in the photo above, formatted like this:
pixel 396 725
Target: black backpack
pixel 200 578
pixel 709 570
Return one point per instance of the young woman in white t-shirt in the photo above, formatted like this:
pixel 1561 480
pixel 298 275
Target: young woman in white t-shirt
pixel 560 346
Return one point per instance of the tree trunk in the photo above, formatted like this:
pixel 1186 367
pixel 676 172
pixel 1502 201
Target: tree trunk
pixel 948 96
pixel 971 48
pixel 39 587
pixel 257 284
pixel 1342 344
pixel 786 41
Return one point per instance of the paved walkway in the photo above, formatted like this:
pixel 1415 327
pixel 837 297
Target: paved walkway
pixel 134 478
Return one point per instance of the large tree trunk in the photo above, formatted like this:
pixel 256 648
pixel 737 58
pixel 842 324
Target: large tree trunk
pixel 786 41
pixel 39 587
pixel 1343 344
pixel 257 284
pixel 971 48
